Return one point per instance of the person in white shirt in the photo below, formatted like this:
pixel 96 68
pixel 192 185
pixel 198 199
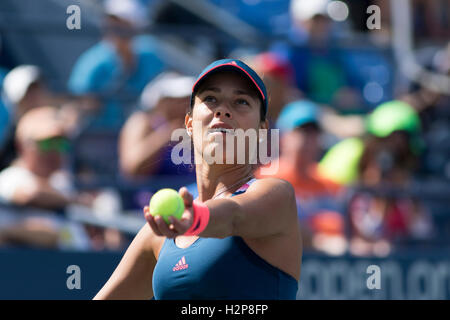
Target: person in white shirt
pixel 36 179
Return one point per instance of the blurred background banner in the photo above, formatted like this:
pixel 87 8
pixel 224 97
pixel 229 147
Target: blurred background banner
pixel 402 276
pixel 92 90
pixel 31 274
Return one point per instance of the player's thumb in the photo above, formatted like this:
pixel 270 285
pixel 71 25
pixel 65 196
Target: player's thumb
pixel 187 196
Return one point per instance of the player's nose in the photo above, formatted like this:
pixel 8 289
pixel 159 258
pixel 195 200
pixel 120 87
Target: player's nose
pixel 223 111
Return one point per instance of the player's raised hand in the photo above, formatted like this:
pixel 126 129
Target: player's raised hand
pixel 176 226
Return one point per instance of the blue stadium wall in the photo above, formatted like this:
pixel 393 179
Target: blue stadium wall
pixel 32 274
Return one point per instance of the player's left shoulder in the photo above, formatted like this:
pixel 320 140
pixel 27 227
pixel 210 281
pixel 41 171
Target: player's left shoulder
pixel 275 190
pixel 277 186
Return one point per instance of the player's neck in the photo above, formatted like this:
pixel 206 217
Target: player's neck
pixel 214 181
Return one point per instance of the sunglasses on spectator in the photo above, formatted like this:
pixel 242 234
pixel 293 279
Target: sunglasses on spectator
pixel 54 144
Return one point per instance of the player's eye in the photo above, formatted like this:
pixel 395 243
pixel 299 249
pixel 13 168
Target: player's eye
pixel 242 102
pixel 210 99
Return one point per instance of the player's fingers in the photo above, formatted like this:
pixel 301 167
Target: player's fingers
pixel 151 221
pixel 164 228
pixel 187 196
pixel 187 216
pixel 180 226
pixel 147 214
pixel 146 211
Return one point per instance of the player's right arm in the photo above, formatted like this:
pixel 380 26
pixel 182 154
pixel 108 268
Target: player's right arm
pixel 132 278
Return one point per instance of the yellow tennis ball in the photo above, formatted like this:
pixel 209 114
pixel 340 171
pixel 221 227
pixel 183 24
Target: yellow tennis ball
pixel 166 203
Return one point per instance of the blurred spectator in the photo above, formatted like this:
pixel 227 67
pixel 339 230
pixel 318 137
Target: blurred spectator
pixel 279 77
pixel 434 112
pixel 429 19
pixel 29 227
pixel 145 146
pixel 385 158
pixel 341 126
pixel 35 177
pixel 342 163
pixel 300 149
pixel 111 75
pixel 316 195
pixel 25 88
pixel 422 98
pixel 31 231
pixel 317 60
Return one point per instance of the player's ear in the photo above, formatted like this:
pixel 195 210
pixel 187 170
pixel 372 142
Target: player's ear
pixel 264 124
pixel 188 123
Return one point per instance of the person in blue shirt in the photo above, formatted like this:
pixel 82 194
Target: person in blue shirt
pixel 319 60
pixel 240 239
pixel 111 75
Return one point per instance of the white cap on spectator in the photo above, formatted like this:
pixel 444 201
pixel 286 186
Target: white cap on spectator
pixel 166 85
pixel 129 10
pixel 17 82
pixel 304 10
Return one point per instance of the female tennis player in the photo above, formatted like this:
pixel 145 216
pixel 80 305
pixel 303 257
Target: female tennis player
pixel 240 238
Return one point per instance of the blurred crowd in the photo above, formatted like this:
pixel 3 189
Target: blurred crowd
pixel 352 141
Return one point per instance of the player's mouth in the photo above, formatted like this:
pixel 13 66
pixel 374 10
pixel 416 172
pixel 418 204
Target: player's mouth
pixel 221 128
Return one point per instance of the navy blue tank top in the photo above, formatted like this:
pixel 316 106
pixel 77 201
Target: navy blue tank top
pixel 224 269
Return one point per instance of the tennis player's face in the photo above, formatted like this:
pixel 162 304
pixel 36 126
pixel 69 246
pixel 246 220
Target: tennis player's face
pixel 223 103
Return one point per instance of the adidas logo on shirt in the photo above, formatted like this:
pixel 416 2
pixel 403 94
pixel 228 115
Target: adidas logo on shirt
pixel 181 265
